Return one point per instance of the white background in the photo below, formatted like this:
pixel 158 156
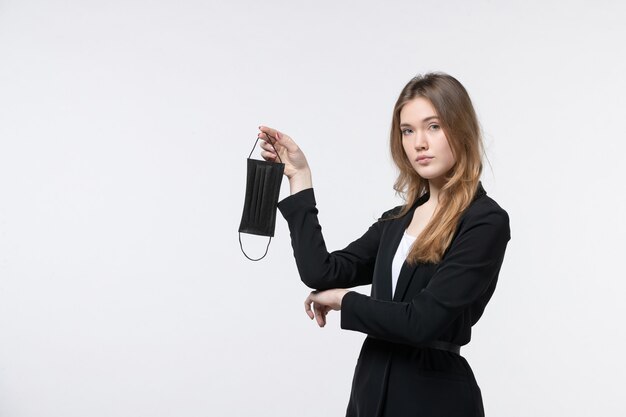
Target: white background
pixel 124 132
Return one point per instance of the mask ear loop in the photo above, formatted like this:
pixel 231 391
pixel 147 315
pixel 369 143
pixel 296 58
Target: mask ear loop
pixel 246 255
pixel 269 241
pixel 254 146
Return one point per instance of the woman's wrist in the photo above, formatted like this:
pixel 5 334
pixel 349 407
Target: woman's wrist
pixel 342 293
pixel 300 181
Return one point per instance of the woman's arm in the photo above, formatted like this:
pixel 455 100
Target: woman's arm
pixel 467 270
pixel 319 269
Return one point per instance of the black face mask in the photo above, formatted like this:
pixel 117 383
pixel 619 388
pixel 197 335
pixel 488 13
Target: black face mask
pixel 262 191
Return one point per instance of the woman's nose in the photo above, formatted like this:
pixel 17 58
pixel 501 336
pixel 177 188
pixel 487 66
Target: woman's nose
pixel 420 140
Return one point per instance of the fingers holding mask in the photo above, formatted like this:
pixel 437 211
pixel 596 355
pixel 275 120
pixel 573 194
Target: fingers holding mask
pixel 269 149
pixel 268 139
pixel 269 155
pixel 269 152
pixel 267 133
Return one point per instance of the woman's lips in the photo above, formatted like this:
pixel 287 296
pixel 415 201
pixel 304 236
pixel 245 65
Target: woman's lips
pixel 424 161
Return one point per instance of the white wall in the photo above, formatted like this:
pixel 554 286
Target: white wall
pixel 124 132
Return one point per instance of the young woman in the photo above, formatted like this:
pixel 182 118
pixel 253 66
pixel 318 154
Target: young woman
pixel 433 262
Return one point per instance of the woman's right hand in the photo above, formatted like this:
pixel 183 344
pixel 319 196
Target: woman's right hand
pixel 290 153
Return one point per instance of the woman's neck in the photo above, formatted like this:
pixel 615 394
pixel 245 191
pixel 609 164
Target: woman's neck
pixel 433 190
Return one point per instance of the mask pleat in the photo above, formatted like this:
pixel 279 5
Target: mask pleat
pixel 256 194
pixel 250 190
pixel 261 173
pixel 267 204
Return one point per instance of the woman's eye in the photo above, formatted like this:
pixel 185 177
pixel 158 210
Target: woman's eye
pixel 434 127
pixel 403 131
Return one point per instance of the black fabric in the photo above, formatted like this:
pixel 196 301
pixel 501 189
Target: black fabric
pixel 395 374
pixel 262 191
pixel 438 344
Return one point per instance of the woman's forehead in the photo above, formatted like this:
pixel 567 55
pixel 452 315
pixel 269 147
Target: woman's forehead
pixel 418 111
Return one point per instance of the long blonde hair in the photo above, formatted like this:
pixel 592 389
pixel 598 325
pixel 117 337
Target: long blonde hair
pixel 461 127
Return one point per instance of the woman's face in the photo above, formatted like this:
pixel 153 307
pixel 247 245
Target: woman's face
pixel 422 136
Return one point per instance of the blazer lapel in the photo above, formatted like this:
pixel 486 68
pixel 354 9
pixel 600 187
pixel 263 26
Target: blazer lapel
pixel 394 233
pixel 406 273
pixel 397 230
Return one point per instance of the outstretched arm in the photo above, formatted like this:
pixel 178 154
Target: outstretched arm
pixel 319 269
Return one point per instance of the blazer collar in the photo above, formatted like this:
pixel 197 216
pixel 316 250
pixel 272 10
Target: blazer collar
pixel 396 231
pixel 480 191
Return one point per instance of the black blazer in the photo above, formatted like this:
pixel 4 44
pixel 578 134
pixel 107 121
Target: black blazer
pixel 394 375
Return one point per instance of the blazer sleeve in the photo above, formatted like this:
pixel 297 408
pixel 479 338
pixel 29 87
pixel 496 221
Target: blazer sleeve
pixel 468 268
pixel 319 269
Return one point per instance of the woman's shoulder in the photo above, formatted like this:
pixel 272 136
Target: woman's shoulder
pixel 484 210
pixel 485 205
pixel 393 212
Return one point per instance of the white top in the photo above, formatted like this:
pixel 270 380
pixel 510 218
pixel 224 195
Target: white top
pixel 399 258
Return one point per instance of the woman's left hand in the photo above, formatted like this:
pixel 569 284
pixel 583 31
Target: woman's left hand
pixel 323 302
